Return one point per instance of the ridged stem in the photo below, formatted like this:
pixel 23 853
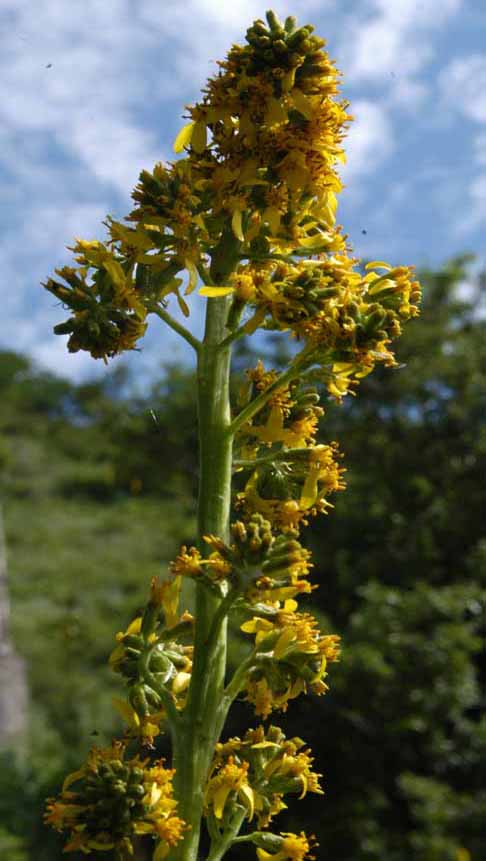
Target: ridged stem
pixel 200 724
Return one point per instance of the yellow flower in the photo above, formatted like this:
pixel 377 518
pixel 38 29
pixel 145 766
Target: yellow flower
pixel 229 783
pixel 291 657
pixel 293 847
pixel 165 593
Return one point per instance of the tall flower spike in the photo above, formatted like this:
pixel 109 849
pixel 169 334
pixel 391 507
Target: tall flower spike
pixel 249 208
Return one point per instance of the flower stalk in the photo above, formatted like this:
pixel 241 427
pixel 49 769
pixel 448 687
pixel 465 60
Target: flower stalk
pixel 249 210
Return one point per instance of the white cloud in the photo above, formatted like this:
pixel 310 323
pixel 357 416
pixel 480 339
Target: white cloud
pixel 369 142
pixel 473 214
pixel 389 42
pixel 463 86
pixel 408 94
pixel 479 145
pixel 201 31
pixel 67 73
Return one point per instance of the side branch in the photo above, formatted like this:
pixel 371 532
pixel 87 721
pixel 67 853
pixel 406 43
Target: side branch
pixel 220 846
pixel 178 327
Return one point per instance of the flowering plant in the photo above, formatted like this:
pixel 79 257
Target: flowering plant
pixel 248 211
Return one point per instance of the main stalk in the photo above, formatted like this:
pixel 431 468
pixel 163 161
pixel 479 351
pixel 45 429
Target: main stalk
pixel 200 725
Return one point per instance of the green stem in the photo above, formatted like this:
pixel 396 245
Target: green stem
pixel 220 847
pixel 200 724
pixel 247 838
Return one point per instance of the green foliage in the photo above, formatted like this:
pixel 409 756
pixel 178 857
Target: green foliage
pixel 97 487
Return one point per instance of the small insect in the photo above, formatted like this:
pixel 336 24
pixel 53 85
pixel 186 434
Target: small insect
pixel 154 416
pixel 49 66
pixel 364 232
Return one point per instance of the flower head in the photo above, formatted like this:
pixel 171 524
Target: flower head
pixel 111 799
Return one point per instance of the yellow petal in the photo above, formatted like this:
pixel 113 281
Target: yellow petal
pixel 249 627
pixel 219 800
pixel 214 292
pixel 192 276
pixel 184 137
pixel 290 605
pixel 248 798
pixel 72 778
pixel 236 225
pixel 313 242
pixel 181 682
pixel 117 654
pixel 380 285
pixel 127 712
pixel 288 80
pixel 136 626
pixel 115 272
pixel 183 306
pixel 378 264
pixel 309 491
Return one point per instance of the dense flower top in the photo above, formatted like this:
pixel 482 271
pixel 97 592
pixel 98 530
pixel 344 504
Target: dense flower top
pixel 254 194
pixel 267 135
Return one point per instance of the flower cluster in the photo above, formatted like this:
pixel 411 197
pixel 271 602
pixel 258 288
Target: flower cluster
pixel 291 488
pixel 108 313
pixel 290 656
pixel 153 661
pixel 345 319
pixel 111 799
pixel 270 766
pixel 285 847
pixel 267 136
pixel 290 416
pixel 258 566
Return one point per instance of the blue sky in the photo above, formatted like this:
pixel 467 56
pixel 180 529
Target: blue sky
pixel 92 91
